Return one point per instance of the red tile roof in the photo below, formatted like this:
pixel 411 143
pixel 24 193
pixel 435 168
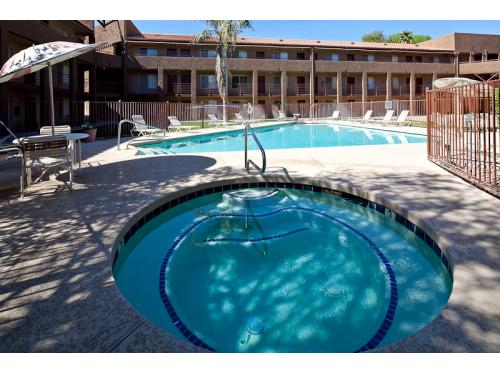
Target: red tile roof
pixel 172 38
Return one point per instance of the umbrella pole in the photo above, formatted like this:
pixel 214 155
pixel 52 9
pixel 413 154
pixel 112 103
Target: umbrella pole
pixel 51 98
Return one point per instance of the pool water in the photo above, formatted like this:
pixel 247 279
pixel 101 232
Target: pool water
pixel 281 270
pixel 284 136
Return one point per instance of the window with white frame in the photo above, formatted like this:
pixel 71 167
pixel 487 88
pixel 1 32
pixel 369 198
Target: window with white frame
pixel 280 55
pixel 148 80
pixel 332 57
pixel 395 58
pixel 370 58
pixel 239 54
pixel 208 53
pixel 148 52
pixel 208 82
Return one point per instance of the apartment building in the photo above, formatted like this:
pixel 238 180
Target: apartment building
pixel 275 71
pixel 23 101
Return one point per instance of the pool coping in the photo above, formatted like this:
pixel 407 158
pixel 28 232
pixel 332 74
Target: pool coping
pixel 364 198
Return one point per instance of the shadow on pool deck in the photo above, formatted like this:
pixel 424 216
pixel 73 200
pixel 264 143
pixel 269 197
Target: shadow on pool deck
pixel 57 292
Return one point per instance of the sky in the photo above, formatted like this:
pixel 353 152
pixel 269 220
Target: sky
pixel 328 30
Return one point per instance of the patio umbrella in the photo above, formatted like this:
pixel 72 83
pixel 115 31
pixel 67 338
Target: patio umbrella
pixel 445 83
pixel 41 56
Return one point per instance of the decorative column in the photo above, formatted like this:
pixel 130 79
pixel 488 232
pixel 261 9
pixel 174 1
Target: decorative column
pixel 161 84
pixel 311 79
pixel 364 89
pixel 255 87
pixel 284 85
pixel 412 92
pixel 388 87
pixel 339 87
pixel 193 86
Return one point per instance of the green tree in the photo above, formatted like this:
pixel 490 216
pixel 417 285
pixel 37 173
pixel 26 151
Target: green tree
pixel 394 38
pixel 376 36
pixel 406 36
pixel 226 34
pixel 419 38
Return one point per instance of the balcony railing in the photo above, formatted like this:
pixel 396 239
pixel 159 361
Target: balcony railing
pixel 268 90
pixel 180 89
pixel 298 89
pixel 142 88
pixel 353 89
pixel 204 91
pixel 404 89
pixel 241 90
pixel 324 90
pixel 378 90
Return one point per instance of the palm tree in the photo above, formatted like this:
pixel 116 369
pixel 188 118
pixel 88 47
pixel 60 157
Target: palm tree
pixel 226 33
pixel 406 37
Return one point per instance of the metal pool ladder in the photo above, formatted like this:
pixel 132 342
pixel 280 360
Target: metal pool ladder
pixel 248 162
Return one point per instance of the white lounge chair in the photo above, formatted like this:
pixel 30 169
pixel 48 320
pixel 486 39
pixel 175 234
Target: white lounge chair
pixel 239 117
pixel 176 124
pixel 367 116
pixel 402 118
pixel 140 127
pixel 387 118
pixel 59 129
pixel 281 115
pixel 214 121
pixel 335 115
pixel 44 152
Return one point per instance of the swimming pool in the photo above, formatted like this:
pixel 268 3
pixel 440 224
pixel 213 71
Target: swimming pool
pixel 281 137
pixel 282 268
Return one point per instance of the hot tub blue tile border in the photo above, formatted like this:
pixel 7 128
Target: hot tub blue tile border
pixel 400 219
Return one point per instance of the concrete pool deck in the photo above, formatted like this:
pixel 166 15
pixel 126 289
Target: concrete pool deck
pixel 57 292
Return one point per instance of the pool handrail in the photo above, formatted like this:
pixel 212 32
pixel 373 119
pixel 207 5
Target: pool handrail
pixel 249 162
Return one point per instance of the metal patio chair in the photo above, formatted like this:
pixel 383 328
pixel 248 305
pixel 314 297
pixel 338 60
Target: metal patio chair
pixel 43 153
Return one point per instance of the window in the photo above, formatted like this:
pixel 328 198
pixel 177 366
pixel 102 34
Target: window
pixel 371 83
pixel 350 57
pixel 171 52
pixel 409 58
pixel 237 81
pixel 280 55
pixel 418 59
pixel 185 53
pixel 148 80
pixel 208 82
pixel 239 54
pixel 332 57
pixel 395 83
pixel 148 52
pixel 395 58
pixel 330 81
pixel 435 60
pixel 301 56
pixel 65 75
pixel 208 53
pixel 368 58
pixel 277 80
pixel 260 55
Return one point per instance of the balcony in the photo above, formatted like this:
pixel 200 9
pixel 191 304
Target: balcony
pixel 378 90
pixel 242 89
pixel 353 89
pixel 143 88
pixel 298 89
pixel 180 89
pixel 325 90
pixel 205 91
pixel 269 90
